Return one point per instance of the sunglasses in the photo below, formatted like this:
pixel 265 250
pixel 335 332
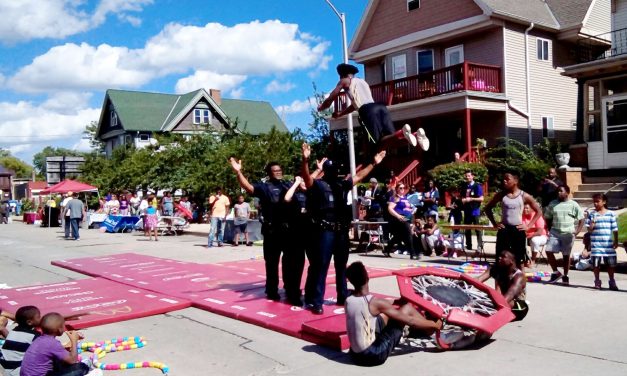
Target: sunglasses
pixel 401 187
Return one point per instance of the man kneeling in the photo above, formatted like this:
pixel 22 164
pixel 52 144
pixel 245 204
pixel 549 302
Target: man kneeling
pixel 375 325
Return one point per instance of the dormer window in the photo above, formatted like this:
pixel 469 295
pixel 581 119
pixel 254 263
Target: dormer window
pixel 202 116
pixel 413 4
pixel 114 118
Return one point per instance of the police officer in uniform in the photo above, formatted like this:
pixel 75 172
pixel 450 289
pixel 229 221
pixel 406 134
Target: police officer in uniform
pixel 274 228
pixel 332 220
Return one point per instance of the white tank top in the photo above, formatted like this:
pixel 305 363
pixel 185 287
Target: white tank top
pixel 513 209
pixel 361 325
pixel 359 92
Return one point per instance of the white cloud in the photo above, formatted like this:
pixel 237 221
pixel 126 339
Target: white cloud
pixel 296 107
pixel 279 87
pixel 82 145
pixel 66 102
pixel 23 122
pixel 208 80
pixel 255 48
pixel 236 93
pixel 19 148
pixel 24 20
pixel 80 67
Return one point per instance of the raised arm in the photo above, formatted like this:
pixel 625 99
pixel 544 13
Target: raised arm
pixel 344 82
pixel 319 164
pixel 290 192
pixel 236 165
pixel 359 176
pixel 307 178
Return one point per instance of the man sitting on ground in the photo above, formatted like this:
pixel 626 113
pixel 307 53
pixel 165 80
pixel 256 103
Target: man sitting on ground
pixel 509 281
pixel 375 325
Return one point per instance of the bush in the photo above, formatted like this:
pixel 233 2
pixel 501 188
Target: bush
pixel 28 205
pixel 451 175
pixel 511 155
pixel 547 149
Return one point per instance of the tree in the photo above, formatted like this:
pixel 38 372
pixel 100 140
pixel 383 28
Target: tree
pixel 39 159
pixel 91 132
pixel 22 169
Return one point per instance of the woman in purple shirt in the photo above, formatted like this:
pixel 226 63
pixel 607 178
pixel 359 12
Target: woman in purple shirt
pixel 400 211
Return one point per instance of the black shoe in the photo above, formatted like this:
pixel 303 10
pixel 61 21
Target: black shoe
pixel 317 310
pixel 274 296
pixel 249 244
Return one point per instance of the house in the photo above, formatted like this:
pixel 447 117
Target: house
pixel 601 75
pixel 133 117
pixel 6 178
pixel 475 69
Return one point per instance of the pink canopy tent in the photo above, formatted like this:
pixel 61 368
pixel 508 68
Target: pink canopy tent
pixel 69 186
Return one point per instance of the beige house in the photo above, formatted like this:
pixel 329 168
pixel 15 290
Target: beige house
pixel 602 111
pixel 468 69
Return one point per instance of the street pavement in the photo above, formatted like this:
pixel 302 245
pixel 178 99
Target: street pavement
pixel 569 330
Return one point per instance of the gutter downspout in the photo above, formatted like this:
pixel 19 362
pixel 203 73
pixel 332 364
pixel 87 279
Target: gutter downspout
pixel 527 84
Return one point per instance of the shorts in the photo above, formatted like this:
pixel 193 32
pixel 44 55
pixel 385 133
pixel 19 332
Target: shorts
pixel 597 261
pixel 241 228
pixel 520 309
pixel 560 243
pixel 168 212
pixel 376 118
pixel 514 240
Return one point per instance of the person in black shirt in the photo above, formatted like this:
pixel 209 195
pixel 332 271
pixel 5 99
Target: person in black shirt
pixel 274 227
pixel 332 220
pixel 548 187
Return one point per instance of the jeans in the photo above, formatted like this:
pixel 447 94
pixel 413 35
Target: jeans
pixel 379 351
pixel 75 224
pixel 330 244
pixel 470 219
pixel 217 225
pixel 66 225
pixel 76 369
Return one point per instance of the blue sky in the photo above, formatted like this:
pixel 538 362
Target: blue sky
pixel 58 57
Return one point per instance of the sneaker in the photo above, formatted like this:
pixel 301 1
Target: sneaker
pixel 422 140
pixel 398 252
pixel 597 284
pixel 405 253
pixel 555 276
pixel 613 286
pixel 565 280
pixel 409 136
pixel 445 340
pixel 454 255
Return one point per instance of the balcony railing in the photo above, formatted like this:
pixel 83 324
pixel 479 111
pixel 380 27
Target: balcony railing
pixel 602 46
pixel 460 77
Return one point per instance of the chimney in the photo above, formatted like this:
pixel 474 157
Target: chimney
pixel 216 96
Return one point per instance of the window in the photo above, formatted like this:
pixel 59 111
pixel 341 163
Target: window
pixel 114 118
pixel 424 60
pixel 413 4
pixel 399 67
pixel 543 49
pixel 202 116
pixel 547 127
pixel 144 137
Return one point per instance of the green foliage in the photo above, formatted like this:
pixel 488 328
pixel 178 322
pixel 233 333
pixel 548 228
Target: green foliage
pixel 451 175
pixel 511 155
pixel 547 149
pixel 28 205
pixel 22 169
pixel 197 166
pixel 39 159
pixel 91 132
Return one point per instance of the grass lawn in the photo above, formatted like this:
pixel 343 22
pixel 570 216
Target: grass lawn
pixel 622 227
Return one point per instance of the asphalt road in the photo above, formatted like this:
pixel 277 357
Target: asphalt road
pixel 569 330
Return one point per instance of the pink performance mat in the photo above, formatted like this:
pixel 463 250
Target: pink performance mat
pixel 106 301
pixel 175 278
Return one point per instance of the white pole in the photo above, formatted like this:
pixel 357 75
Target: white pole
pixel 349 117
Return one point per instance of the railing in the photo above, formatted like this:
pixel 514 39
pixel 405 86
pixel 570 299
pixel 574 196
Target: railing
pixel 477 155
pixel 410 176
pixel 460 77
pixel 602 46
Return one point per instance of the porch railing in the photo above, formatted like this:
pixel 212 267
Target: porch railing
pixel 410 175
pixel 460 77
pixel 602 46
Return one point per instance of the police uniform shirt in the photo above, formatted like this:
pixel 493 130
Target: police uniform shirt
pixel 271 196
pixel 328 200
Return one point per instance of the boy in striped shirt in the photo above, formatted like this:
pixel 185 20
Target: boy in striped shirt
pixel 19 339
pixel 603 231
